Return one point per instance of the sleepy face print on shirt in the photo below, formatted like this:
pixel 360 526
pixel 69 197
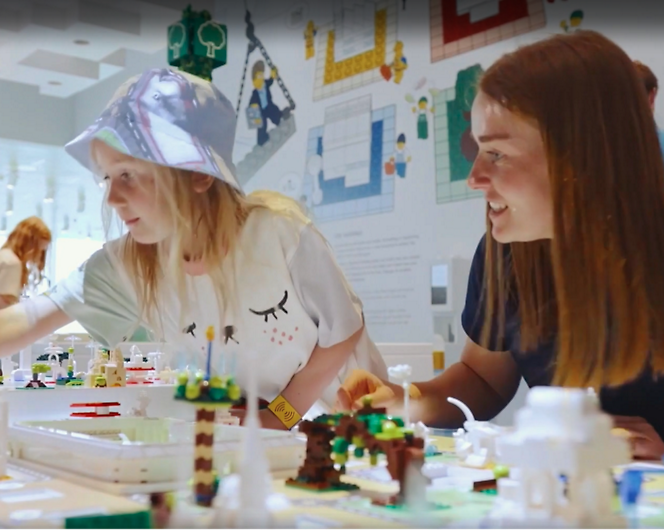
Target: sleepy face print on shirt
pixel 269 317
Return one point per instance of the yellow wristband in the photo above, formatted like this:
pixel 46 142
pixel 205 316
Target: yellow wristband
pixel 284 411
pixel 414 392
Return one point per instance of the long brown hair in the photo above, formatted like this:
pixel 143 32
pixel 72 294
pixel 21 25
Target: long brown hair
pixel 597 286
pixel 24 241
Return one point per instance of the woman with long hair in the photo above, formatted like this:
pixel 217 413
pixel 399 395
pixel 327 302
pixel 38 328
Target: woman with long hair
pixel 566 286
pixel 24 249
pixel 198 252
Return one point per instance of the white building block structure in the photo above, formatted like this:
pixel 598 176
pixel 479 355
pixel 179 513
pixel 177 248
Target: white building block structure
pixel 560 455
pixel 475 444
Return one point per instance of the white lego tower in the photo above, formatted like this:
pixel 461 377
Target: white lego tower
pixel 559 433
pixel 253 510
pixel 243 498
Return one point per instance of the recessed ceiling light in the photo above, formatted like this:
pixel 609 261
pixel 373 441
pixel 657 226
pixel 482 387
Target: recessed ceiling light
pixel 54 83
pixel 82 42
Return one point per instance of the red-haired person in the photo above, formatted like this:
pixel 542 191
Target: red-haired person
pixel 27 244
pixel 566 286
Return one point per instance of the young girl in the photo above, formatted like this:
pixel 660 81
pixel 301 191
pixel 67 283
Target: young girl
pixel 25 248
pixel 566 287
pixel 199 253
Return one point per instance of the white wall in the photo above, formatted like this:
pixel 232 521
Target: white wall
pixel 416 230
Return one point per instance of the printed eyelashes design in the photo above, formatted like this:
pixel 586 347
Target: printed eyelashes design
pixel 273 310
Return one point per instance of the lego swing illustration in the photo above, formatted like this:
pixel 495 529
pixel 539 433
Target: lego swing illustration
pixel 261 109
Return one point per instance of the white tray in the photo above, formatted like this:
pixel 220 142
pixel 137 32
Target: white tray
pixel 133 452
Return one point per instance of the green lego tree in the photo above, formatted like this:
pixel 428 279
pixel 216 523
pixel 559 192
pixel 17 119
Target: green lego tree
pixel 177 38
pixel 197 44
pixel 211 35
pixel 37 369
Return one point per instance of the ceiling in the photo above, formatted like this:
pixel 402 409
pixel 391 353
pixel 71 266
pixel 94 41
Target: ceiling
pixel 66 46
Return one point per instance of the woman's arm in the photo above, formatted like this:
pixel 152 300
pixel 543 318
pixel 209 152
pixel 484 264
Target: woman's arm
pixel 484 380
pixel 7 299
pixel 28 321
pixel 306 386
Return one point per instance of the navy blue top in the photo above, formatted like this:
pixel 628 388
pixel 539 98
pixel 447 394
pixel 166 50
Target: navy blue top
pixel 642 397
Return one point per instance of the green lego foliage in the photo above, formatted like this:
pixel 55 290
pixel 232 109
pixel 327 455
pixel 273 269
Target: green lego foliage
pixel 391 431
pixel 340 445
pixel 221 390
pixel 39 368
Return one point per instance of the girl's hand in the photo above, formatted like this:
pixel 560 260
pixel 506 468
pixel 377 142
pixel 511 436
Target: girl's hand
pixel 646 444
pixel 361 384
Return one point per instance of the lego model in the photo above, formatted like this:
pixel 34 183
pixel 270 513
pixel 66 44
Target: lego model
pixel 101 410
pixel 53 355
pixel 105 371
pixel 38 371
pixel 560 433
pixel 137 369
pixel 115 371
pixel 208 393
pixel 71 378
pixel 475 444
pixel 140 410
pixel 369 429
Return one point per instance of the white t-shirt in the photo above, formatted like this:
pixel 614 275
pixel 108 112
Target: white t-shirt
pixel 291 296
pixel 11 270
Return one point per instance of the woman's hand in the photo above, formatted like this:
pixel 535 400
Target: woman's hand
pixel 646 444
pixel 361 384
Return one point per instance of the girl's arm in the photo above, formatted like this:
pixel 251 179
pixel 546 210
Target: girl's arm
pixel 28 321
pixel 7 299
pixel 306 386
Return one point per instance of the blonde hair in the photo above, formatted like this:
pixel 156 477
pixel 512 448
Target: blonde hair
pixel 596 287
pixel 213 218
pixel 24 241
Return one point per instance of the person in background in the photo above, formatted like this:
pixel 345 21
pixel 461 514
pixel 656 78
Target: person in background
pixel 25 248
pixel 566 286
pixel 651 84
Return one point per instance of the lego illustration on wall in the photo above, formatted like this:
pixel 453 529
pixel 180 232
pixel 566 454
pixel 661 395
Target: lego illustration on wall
pixel 346 159
pixel 357 47
pixel 459 26
pixel 395 70
pixel 309 43
pixel 421 107
pixel 400 158
pixel 454 147
pixel 261 110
